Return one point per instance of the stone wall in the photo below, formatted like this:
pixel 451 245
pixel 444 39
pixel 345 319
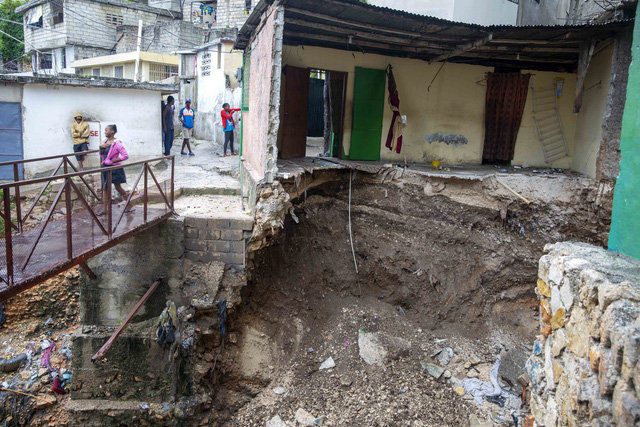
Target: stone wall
pixel 584 369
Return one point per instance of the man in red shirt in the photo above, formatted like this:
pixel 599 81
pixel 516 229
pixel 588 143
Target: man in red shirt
pixel 228 125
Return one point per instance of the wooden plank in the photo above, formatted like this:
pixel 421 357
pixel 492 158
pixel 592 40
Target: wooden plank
pixel 463 48
pixel 586 53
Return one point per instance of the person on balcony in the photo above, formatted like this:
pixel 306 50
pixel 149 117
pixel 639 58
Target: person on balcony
pixel 80 133
pixel 228 125
pixel 112 153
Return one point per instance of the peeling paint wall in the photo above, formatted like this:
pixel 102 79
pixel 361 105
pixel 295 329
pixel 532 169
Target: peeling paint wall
pixel 455 104
pixel 262 121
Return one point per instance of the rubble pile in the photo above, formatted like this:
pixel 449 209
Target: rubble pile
pixel 585 367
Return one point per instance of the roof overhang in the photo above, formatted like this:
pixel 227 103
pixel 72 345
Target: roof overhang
pixel 102 82
pixel 358 27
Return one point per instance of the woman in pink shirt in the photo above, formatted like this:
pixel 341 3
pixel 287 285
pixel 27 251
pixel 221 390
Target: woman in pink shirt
pixel 112 153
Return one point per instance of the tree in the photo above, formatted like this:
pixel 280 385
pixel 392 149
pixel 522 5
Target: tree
pixel 9 48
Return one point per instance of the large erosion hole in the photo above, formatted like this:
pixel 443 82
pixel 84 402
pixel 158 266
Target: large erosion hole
pixel 431 271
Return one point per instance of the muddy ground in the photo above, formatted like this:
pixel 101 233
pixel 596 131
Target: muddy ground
pixel 431 271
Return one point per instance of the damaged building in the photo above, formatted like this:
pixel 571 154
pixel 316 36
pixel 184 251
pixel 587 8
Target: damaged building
pixel 414 233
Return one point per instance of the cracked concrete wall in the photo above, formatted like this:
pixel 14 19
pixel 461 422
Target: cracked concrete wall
pixel 261 122
pixel 585 366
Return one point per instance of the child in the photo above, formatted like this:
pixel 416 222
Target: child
pixel 228 125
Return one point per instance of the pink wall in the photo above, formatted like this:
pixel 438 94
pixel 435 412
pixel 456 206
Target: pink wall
pixel 256 120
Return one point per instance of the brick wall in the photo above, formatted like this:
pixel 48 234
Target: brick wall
pixel 585 366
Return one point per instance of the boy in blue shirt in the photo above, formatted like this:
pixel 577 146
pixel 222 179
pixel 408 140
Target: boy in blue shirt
pixel 186 118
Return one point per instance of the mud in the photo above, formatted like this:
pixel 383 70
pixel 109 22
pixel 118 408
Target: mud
pixel 454 260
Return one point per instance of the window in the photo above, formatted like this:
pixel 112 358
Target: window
pixel 112 19
pixel 96 72
pixel 247 7
pixel 34 17
pixel 118 71
pixel 159 72
pixel 63 52
pixel 46 61
pixel 219 55
pixel 57 13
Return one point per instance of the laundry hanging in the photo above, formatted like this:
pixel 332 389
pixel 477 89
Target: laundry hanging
pixel 394 138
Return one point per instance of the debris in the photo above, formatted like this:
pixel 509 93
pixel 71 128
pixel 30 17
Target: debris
pixel 276 422
pixel 144 406
pixel 57 386
pixel 401 311
pixel 10 365
pixel 478 389
pixel 328 364
pixel 305 418
pixel 433 370
pixel 222 315
pixel 376 348
pixel 166 333
pixel 444 356
pixel 310 350
pixel 279 390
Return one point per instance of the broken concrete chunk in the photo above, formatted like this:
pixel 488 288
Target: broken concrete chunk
pixel 45 400
pixel 444 356
pixel 328 364
pixel 433 370
pixel 305 418
pixel 376 348
pixel 276 422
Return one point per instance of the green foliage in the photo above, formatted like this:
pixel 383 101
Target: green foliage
pixel 9 48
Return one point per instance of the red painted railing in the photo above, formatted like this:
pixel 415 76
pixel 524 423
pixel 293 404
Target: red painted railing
pixel 35 251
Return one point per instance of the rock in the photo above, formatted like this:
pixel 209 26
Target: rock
pixel 305 418
pixel 266 193
pixel 512 366
pixel 578 332
pixel 619 315
pixel 543 289
pixel 433 370
pixel 607 374
pixel 626 406
pixel 45 400
pixel 328 364
pixel 467 365
pixel 233 338
pixel 557 371
pixel 545 317
pixel 276 422
pixel 460 391
pixel 376 348
pixel 201 370
pixel 208 357
pixel 560 341
pixel 594 357
pixel 25 375
pixel 42 372
pixel 45 380
pixel 36 387
pixel 558 319
pixel 444 356
pixel 346 381
pixel 279 390
pixel 447 374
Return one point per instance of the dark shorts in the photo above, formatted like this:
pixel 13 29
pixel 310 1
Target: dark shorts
pixel 117 176
pixel 77 148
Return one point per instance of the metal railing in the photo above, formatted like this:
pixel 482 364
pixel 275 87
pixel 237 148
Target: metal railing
pixel 37 248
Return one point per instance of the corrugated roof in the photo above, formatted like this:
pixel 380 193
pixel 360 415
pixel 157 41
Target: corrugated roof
pixel 355 26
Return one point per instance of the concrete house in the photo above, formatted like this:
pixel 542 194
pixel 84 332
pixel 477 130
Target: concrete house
pixel 30 129
pixel 153 67
pixel 58 33
pixel 446 74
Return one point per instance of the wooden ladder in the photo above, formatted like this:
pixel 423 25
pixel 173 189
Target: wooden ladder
pixel 548 125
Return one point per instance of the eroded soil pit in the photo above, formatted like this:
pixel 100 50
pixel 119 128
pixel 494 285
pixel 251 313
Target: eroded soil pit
pixel 437 268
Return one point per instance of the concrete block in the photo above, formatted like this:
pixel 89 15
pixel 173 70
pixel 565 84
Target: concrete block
pixel 237 247
pixel 242 224
pixel 194 256
pixel 218 224
pixel 209 234
pixel 195 245
pixel 196 222
pixel 231 235
pixel 191 233
pixel 219 246
pixel 232 258
pixel 247 235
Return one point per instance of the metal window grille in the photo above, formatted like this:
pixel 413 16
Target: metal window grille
pixel 118 71
pixel 46 61
pixel 96 72
pixel 115 20
pixel 57 14
pixel 159 72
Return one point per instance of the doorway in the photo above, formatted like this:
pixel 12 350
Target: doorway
pixel 10 138
pixel 313 121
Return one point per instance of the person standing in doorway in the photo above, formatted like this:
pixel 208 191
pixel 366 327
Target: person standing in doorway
pixel 80 133
pixel 167 125
pixel 186 118
pixel 228 125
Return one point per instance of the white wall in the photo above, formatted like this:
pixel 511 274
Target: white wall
pixel 48 115
pixel 486 12
pixel 437 8
pixel 482 12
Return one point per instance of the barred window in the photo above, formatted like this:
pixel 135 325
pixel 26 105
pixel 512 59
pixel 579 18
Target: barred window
pixel 115 20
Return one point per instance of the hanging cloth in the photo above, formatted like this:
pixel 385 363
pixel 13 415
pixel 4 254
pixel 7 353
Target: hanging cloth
pixel 396 130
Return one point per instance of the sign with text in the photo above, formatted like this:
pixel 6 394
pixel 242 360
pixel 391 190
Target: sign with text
pixel 95 135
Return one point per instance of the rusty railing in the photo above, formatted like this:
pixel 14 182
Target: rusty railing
pixel 34 251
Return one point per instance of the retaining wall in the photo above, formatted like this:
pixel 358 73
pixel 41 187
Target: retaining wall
pixel 584 369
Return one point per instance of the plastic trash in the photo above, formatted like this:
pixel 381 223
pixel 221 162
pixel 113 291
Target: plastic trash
pixel 49 321
pixel 433 370
pixel 10 365
pixel 479 389
pixel 444 356
pixel 328 364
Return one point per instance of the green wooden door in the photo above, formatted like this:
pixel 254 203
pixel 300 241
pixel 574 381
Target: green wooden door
pixel 368 106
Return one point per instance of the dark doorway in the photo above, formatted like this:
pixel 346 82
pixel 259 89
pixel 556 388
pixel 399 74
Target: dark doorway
pixel 506 98
pixel 313 119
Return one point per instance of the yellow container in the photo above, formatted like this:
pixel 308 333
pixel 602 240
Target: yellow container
pixel 435 165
